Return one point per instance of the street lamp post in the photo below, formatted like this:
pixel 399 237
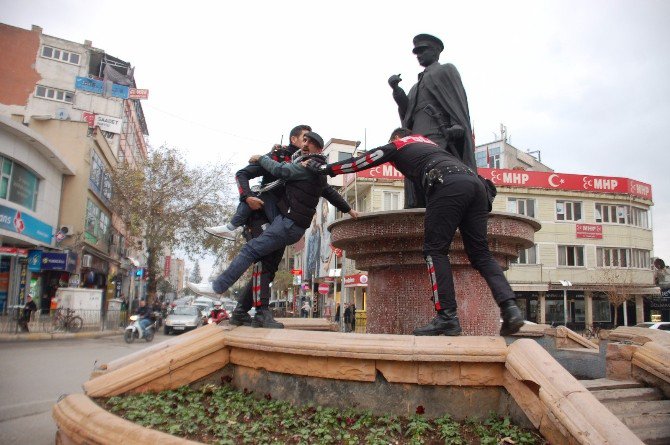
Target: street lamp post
pixel 565 284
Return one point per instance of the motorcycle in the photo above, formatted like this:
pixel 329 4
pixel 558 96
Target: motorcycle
pixel 133 330
pixel 216 318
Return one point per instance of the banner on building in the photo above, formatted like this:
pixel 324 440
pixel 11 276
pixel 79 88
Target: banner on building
pixel 108 123
pixel 13 251
pixel 590 231
pixel 166 269
pixel 356 280
pixel 136 93
pixel 15 221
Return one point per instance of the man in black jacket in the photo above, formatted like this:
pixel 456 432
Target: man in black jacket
pixel 296 208
pixel 455 199
pixel 258 288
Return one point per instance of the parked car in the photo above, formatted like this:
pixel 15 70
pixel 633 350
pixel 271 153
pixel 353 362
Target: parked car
pixel 661 325
pixel 182 319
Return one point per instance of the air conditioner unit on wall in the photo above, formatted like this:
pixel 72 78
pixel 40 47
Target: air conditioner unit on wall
pixel 86 261
pixel 67 230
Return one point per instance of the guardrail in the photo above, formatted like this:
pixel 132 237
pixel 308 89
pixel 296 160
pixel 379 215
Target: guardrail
pixel 62 320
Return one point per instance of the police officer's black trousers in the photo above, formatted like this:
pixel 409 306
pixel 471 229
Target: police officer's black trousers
pixel 460 202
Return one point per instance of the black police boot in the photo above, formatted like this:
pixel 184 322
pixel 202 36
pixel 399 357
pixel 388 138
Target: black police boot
pixel 264 319
pixel 444 323
pixel 240 317
pixel 512 319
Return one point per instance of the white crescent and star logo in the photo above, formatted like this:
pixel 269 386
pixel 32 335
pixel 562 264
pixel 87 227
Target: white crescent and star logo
pixel 588 183
pixel 554 177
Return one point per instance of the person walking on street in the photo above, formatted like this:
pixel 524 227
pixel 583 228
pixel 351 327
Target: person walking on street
pixel 28 309
pixel 456 198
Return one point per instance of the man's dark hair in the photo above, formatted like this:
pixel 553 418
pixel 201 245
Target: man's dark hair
pixel 299 129
pixel 400 132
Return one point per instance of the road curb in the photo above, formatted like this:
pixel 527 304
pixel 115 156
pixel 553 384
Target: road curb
pixel 41 336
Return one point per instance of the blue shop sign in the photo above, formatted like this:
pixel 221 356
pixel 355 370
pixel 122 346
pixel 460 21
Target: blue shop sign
pixel 120 91
pixel 57 261
pixel 34 260
pixel 88 84
pixel 15 221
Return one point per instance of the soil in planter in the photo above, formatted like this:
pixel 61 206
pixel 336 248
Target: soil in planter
pixel 224 415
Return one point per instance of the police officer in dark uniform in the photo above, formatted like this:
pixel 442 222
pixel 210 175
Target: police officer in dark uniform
pixel 456 198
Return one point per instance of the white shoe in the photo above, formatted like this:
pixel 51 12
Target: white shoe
pixel 202 289
pixel 224 232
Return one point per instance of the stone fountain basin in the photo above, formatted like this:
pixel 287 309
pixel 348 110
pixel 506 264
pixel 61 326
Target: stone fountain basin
pixel 465 376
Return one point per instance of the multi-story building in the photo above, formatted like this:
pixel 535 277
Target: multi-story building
pixel 596 236
pixel 83 102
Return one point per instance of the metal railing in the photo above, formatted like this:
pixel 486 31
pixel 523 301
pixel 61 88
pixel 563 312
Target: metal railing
pixel 62 320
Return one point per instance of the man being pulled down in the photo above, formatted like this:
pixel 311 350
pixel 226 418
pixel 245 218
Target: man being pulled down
pixel 455 199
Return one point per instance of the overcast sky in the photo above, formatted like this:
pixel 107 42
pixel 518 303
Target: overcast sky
pixel 584 82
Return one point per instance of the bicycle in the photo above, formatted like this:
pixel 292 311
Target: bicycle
pixel 67 321
pixel 592 332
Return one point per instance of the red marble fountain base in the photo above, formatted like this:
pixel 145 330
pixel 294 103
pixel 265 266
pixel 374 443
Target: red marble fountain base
pixel 388 245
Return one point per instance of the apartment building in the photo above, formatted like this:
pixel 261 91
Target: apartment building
pixel 83 102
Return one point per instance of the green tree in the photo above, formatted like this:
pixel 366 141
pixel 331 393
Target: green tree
pixel 196 275
pixel 168 202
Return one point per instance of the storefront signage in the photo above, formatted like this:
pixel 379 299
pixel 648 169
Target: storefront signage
pixel 108 123
pixel 356 280
pixel 15 221
pixel 135 93
pixel 590 231
pixel 89 118
pixel 530 179
pixel 564 181
pixel 13 251
pixel 88 84
pixel 58 261
pixel 35 260
pixel 98 87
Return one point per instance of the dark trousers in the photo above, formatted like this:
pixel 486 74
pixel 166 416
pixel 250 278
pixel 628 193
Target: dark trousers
pixel 270 265
pixel 460 202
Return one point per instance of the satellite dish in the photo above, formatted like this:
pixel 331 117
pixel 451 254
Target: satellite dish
pixel 62 114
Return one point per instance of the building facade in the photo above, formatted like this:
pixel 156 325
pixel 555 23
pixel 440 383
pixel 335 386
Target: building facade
pixel 84 103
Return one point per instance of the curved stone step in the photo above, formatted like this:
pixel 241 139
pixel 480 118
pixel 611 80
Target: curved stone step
pixel 602 384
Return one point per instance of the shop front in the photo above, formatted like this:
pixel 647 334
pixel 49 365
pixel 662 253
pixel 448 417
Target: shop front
pixel 49 271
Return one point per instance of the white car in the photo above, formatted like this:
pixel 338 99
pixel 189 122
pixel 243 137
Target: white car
pixel 660 325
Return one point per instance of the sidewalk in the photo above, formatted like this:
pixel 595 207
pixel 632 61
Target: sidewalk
pixel 37 336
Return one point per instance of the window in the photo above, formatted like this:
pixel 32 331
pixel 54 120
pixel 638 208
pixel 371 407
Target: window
pixel 571 255
pixel 612 257
pixel 639 217
pixel 60 55
pixel 568 211
pixel 527 256
pixel 521 206
pixel 97 222
pixel 99 180
pixel 343 156
pixel 488 157
pixel 640 259
pixel 54 94
pixel 18 184
pixel 391 201
pixel 610 213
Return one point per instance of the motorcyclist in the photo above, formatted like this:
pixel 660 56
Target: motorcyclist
pixel 218 313
pixel 144 312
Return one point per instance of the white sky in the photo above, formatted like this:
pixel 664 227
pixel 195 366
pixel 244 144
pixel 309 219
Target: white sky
pixel 585 82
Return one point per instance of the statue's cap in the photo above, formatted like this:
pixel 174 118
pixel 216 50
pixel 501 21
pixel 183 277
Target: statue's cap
pixel 316 138
pixel 423 40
